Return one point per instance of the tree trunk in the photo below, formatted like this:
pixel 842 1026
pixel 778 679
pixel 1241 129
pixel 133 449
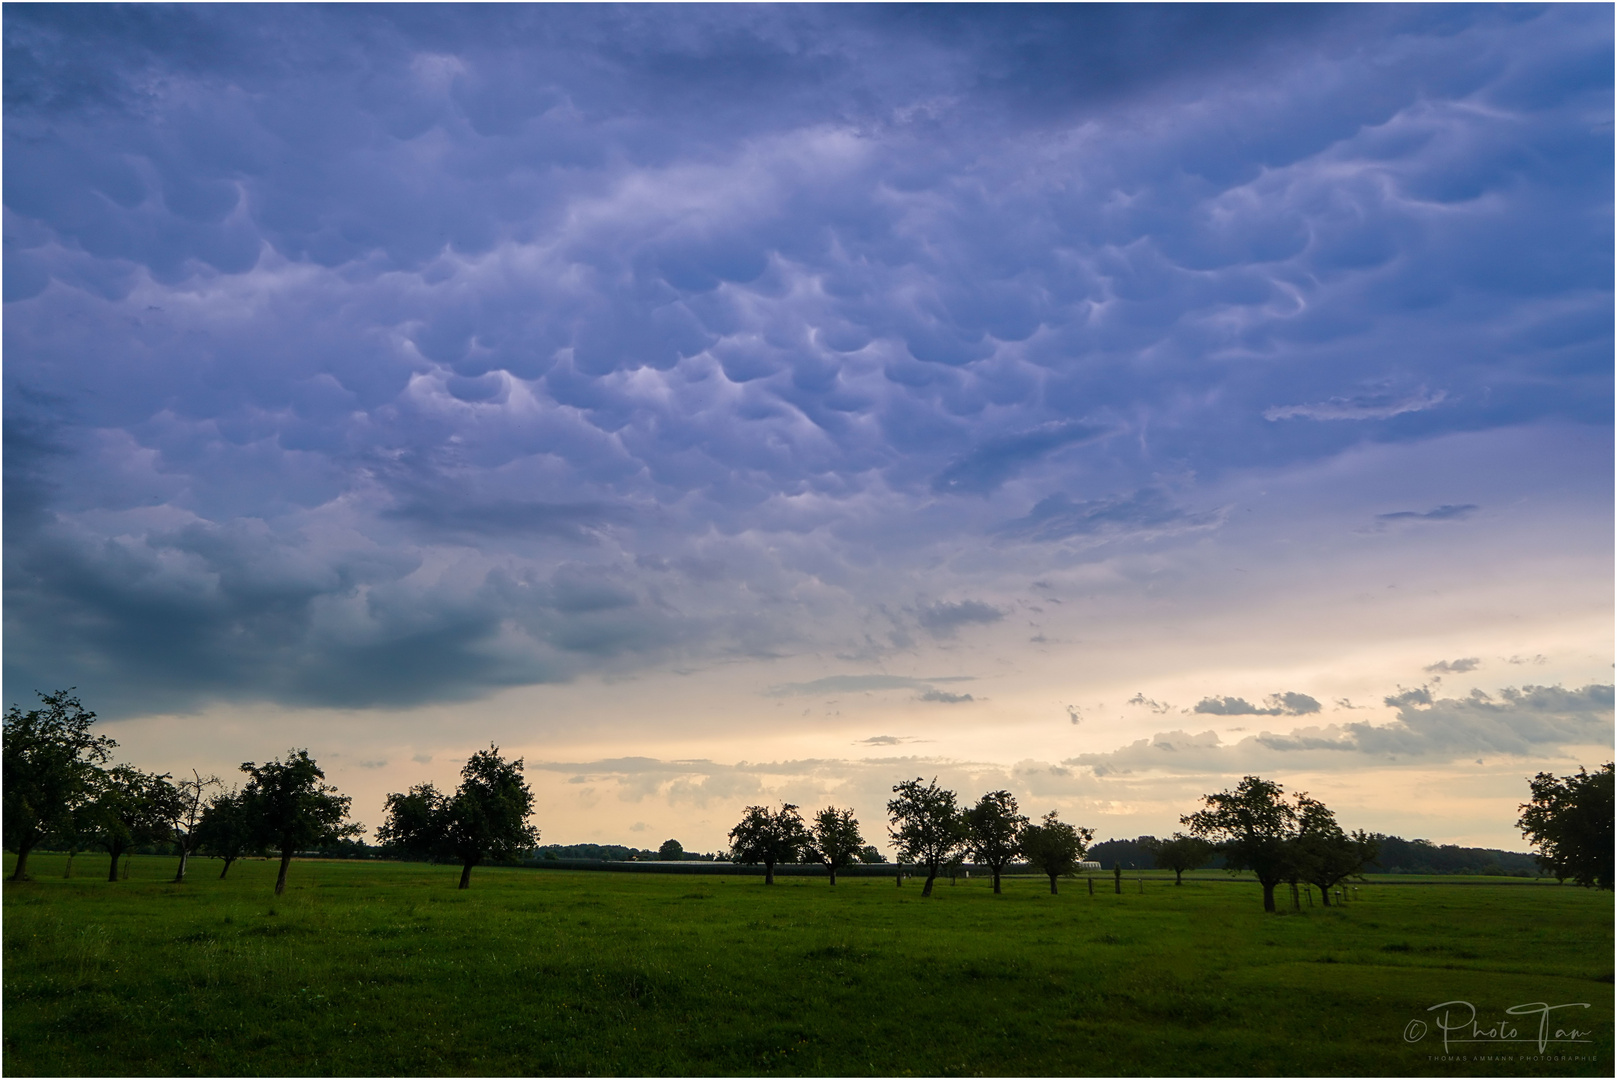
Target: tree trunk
pixel 898 875
pixel 67 871
pixel 112 874
pixel 931 876
pixel 769 872
pixel 1178 877
pixel 280 879
pixel 1269 895
pixel 179 877
pixel 21 873
pixel 996 879
pixel 228 860
pixel 833 874
pixel 466 873
pixel 1325 894
pixel 1053 884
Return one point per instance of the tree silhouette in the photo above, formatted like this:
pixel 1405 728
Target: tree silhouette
pixel 1054 847
pixel 1323 854
pixel 768 837
pixel 289 808
pixel 487 818
pixel 51 763
pixel 994 831
pixel 129 808
pixel 1253 828
pixel 225 831
pixel 926 826
pixel 189 810
pixel 1569 820
pixel 671 851
pixel 834 839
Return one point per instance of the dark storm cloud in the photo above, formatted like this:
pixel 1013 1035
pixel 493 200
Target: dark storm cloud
pixel 372 354
pixel 1140 514
pixel 997 460
pixel 1440 513
pixel 859 684
pixel 944 619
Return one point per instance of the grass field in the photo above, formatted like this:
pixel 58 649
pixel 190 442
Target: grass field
pixel 380 968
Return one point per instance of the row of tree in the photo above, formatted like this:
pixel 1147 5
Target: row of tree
pixel 1253 827
pixel 927 826
pixel 59 788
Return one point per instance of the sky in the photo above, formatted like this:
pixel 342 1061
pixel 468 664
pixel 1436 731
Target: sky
pixel 718 405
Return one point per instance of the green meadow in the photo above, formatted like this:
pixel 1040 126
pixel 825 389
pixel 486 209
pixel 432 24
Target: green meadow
pixel 386 968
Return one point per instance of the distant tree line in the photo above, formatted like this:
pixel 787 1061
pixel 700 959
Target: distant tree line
pixel 60 790
pixel 1397 856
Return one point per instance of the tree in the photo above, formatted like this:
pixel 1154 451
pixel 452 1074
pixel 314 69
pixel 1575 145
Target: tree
pixel 1569 820
pixel 129 808
pixel 1054 847
pixel 487 818
pixel 767 837
pixel 1323 854
pixel 994 831
pixel 415 823
pixel 1253 828
pixel 834 839
pixel 1180 853
pixel 870 856
pixel 926 826
pixel 289 808
pixel 671 851
pixel 51 762
pixel 190 808
pixel 225 831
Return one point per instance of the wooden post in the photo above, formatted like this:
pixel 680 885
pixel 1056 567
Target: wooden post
pixel 1117 877
pixel 1091 886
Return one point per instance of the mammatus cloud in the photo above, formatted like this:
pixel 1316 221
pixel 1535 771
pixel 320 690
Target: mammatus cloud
pixel 1282 704
pixel 1529 721
pixel 1453 667
pixel 363 358
pixel 1360 407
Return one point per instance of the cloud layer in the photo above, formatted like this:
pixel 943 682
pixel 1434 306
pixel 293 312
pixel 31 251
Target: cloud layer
pixel 1529 721
pixel 375 356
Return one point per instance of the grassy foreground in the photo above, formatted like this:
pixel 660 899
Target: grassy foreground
pixel 377 969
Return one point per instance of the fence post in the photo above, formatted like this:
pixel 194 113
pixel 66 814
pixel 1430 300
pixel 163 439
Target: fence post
pixel 1117 877
pixel 1091 886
